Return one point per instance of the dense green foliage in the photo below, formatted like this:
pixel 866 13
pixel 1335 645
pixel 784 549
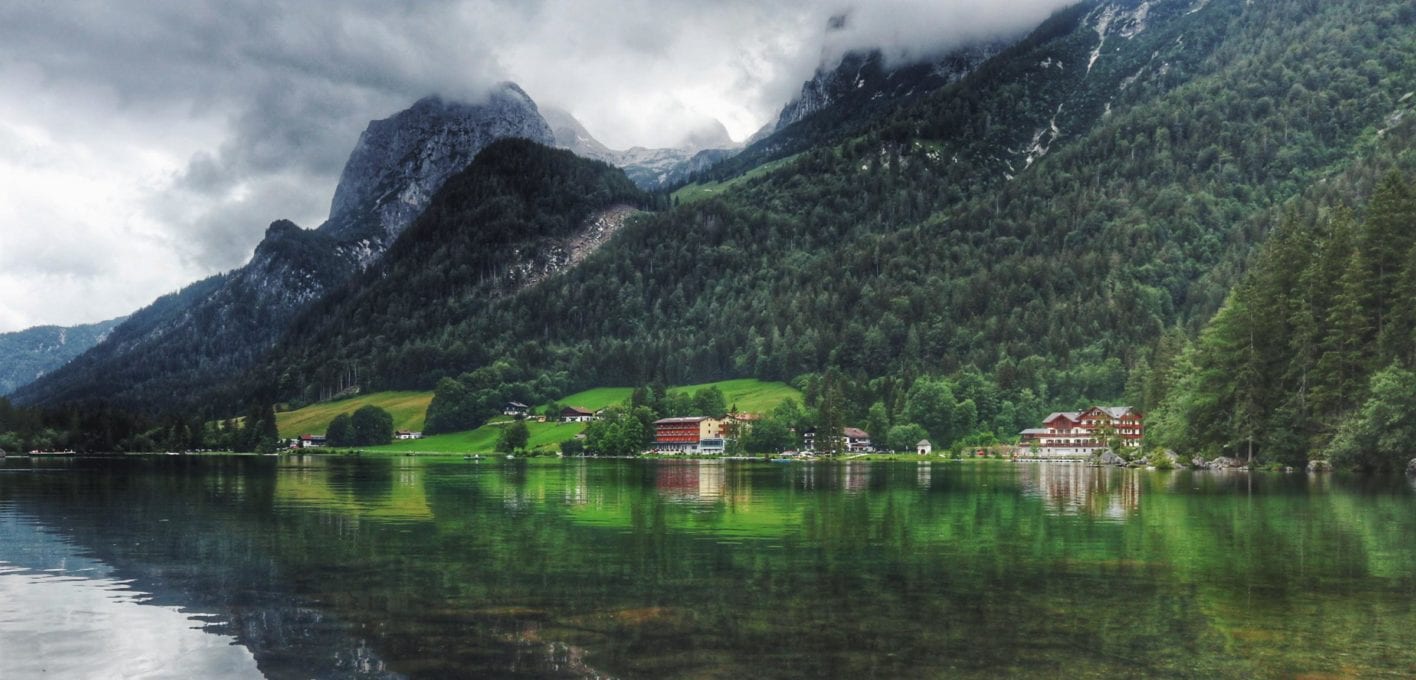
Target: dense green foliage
pixel 1045 233
pixel 1313 349
pixel 934 243
pixel 368 426
pixel 489 232
pixel 340 431
pixel 1379 435
pixel 514 437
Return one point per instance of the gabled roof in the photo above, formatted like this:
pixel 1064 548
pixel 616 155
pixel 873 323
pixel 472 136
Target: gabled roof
pixel 1069 415
pixel 673 421
pixel 1116 411
pixel 1110 411
pixel 516 404
pixel 578 411
pixel 855 433
pixel 1034 430
pixel 923 442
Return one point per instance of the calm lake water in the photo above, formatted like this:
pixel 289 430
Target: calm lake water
pixel 308 567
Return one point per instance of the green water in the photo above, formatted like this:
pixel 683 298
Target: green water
pixel 325 567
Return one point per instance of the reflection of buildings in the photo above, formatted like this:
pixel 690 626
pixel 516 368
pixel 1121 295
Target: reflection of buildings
pixel 701 481
pixel 1082 489
pixel 856 478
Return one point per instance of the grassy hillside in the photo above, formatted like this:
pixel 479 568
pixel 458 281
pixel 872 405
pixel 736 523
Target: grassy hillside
pixel 598 398
pixel 749 395
pixel 708 189
pixel 484 438
pixel 407 408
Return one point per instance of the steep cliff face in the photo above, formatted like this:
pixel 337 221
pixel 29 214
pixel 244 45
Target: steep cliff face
pixel 185 343
pixel 401 161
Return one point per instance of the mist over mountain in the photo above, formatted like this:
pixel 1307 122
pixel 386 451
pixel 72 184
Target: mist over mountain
pixel 648 168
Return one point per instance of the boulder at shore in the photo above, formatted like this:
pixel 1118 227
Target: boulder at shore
pixel 1319 466
pixel 1411 467
pixel 1110 458
pixel 1199 463
pixel 1223 463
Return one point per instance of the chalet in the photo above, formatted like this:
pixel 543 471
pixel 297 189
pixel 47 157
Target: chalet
pixel 308 441
pixel 515 409
pixel 1067 434
pixel 406 434
pixel 923 447
pixel 575 414
pixel 852 439
pixel 857 440
pixel 687 435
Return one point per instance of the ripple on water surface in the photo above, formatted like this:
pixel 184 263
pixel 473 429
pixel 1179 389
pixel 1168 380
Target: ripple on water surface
pixel 64 616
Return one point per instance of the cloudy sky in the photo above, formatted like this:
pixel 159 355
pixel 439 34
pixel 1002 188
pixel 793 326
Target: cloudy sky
pixel 147 144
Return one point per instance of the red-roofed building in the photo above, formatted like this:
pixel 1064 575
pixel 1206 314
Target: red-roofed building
pixel 691 434
pixel 1081 433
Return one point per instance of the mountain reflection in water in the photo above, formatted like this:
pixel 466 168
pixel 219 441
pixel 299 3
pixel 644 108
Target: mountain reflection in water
pixel 309 566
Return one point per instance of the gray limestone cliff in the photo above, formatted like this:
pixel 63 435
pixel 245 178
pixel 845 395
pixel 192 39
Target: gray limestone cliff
pixel 402 160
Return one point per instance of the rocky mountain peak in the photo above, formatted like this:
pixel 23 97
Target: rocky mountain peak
pixel 401 161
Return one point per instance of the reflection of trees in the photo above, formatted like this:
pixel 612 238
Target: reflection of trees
pixel 626 568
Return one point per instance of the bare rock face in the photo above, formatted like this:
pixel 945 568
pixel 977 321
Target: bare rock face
pixel 1225 463
pixel 402 160
pixel 1110 458
pixel 1199 463
pixel 1319 466
pixel 1411 468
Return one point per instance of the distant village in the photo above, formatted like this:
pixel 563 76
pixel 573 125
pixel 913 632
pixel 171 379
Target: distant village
pixel 1064 435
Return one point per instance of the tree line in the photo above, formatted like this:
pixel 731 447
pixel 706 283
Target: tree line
pixel 1312 354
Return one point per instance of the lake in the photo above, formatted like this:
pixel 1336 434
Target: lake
pixel 309 566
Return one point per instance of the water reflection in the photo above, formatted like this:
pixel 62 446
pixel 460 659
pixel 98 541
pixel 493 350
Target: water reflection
pixel 66 616
pixel 1074 489
pixel 332 567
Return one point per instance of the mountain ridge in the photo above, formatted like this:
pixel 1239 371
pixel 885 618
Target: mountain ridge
pixel 213 330
pixel 27 354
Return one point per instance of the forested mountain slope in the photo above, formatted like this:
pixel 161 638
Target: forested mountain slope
pixel 1030 229
pixel 518 215
pixel 30 353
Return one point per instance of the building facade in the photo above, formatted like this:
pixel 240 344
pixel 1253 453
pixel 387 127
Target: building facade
pixel 688 434
pixel 575 414
pixel 1073 434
